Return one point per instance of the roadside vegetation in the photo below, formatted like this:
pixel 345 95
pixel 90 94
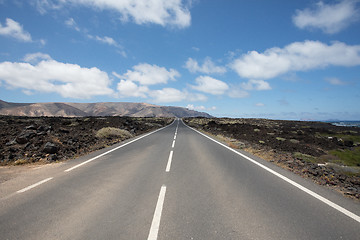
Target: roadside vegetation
pixel 110 132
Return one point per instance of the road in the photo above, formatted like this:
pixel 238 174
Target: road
pixel 174 183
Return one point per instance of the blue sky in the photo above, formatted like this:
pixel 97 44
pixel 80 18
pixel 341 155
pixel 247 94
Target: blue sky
pixel 273 59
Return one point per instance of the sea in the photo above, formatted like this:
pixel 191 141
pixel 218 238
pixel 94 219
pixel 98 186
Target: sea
pixel 345 123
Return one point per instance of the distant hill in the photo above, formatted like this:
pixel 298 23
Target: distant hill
pixel 95 109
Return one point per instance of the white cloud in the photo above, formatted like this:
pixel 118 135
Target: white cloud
pixel 107 40
pixel 71 23
pixel 28 92
pixel 36 57
pixel 330 18
pixel 237 92
pixel 166 95
pixel 190 107
pixel 147 74
pixel 208 66
pixel 298 56
pixel 42 42
pixel 128 88
pixel 43 5
pixel 194 97
pixel 196 108
pixel 260 104
pixel 163 12
pixel 134 83
pixel 259 85
pixel 200 108
pixel 15 30
pixel 210 85
pixel 122 53
pixel 196 49
pixel 335 81
pixel 50 76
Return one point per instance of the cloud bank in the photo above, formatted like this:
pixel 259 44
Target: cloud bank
pixel 167 95
pixel 208 66
pixel 48 76
pixel 259 85
pixel 136 83
pixel 128 88
pixel 298 56
pixel 330 18
pixel 147 74
pixel 162 12
pixel 210 85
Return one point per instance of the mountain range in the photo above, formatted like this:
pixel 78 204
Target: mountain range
pixel 60 109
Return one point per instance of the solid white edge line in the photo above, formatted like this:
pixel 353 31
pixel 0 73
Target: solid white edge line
pixel 308 191
pixel 173 144
pixel 114 149
pixel 155 225
pixel 34 185
pixel 169 161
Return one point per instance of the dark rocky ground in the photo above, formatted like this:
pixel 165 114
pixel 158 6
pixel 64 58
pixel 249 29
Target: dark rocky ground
pixel 329 155
pixel 47 139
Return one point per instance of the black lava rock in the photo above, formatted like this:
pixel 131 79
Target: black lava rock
pixel 50 148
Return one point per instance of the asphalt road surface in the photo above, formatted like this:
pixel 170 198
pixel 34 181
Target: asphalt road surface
pixel 174 183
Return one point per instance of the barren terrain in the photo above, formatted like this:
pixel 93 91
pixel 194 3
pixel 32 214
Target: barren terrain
pixel 48 139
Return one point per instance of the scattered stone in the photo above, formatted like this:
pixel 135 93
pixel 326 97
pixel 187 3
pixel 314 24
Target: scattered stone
pixel 50 148
pixel 63 130
pixel 21 140
pixel 25 136
pixel 41 129
pixel 13 142
pixel 27 146
pixel 53 158
pixel 355 181
pixel 31 127
pixel 294 141
pixel 41 133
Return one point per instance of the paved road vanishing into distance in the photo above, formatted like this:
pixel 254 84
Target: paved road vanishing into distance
pixel 174 183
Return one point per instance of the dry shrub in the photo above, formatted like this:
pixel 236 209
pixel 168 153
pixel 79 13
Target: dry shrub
pixel 109 132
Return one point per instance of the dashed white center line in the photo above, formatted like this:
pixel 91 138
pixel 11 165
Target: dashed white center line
pixel 34 185
pixel 169 161
pixel 155 225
